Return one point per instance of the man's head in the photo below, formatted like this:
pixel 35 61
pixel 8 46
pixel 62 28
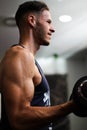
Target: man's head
pixel 35 16
pixel 29 7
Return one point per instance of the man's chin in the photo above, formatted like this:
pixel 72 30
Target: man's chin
pixel 45 43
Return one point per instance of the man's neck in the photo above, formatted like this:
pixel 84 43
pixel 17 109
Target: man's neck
pixel 32 47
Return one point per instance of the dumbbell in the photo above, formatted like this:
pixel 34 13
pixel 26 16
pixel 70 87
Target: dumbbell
pixel 79 96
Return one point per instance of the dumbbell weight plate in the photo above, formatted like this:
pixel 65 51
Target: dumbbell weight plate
pixel 80 91
pixel 79 95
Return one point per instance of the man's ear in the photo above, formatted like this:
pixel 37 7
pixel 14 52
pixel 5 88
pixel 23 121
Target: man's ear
pixel 32 20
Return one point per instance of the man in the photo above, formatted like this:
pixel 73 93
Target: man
pixel 24 89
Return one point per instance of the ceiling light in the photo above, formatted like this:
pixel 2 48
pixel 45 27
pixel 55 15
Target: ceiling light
pixel 65 18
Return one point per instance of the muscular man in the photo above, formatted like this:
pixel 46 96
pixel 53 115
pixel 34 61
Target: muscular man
pixel 24 89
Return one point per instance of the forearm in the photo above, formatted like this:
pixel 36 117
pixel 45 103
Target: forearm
pixel 33 117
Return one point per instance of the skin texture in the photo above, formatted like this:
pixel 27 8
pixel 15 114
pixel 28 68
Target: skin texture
pixel 19 76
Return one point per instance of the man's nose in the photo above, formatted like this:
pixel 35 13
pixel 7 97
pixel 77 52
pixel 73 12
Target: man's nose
pixel 52 29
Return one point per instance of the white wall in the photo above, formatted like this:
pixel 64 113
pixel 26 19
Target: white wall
pixel 53 65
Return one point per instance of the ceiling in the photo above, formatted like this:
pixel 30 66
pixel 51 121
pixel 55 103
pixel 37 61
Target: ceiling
pixel 69 38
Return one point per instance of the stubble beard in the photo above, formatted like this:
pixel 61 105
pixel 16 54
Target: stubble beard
pixel 39 35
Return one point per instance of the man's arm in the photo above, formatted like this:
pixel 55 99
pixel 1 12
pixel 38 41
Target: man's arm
pixel 18 91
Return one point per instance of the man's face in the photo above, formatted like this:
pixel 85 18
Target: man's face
pixel 43 30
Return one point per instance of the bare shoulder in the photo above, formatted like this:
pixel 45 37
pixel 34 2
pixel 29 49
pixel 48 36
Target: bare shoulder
pixel 18 52
pixel 17 62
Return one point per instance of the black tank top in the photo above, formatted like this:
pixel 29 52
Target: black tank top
pixel 41 98
pixel 42 95
pixel 42 91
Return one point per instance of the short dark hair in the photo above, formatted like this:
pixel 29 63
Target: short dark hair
pixel 29 6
